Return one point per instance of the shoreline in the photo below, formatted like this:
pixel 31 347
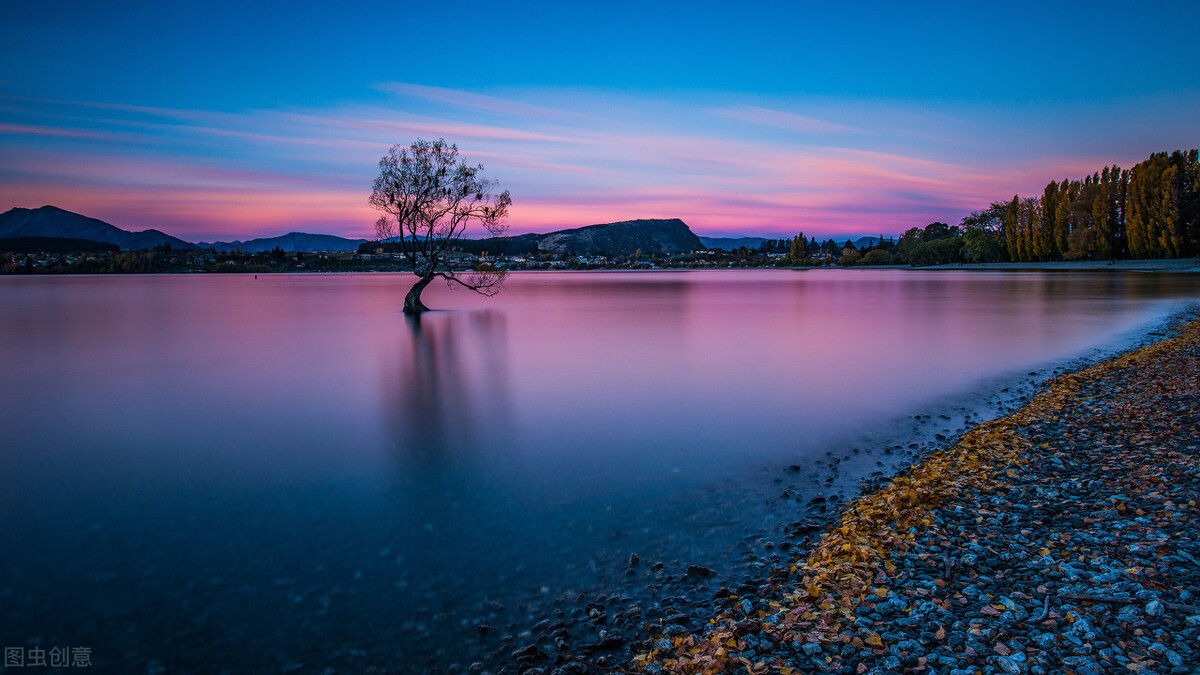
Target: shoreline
pixel 804 502
pixel 879 590
pixel 1188 265
pixel 1172 265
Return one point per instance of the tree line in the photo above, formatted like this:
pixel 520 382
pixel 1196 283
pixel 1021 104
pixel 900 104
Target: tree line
pixel 1149 211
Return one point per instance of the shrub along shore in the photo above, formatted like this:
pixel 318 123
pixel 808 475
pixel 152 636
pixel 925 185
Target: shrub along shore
pixel 1061 538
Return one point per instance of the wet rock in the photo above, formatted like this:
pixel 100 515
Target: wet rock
pixel 608 643
pixel 527 652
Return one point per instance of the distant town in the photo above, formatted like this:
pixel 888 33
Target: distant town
pixel 164 259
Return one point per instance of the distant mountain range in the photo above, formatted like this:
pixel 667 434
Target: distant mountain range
pixel 51 221
pixel 650 236
pixel 730 243
pixel 291 242
pixel 864 242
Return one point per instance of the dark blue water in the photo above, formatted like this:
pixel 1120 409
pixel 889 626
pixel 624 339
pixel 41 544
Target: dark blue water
pixel 226 474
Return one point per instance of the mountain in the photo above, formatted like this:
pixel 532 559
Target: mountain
pixel 51 221
pixel 730 243
pixel 54 245
pixel 291 242
pixel 661 236
pixel 864 242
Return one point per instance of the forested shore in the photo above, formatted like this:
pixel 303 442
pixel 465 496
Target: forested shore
pixel 1150 211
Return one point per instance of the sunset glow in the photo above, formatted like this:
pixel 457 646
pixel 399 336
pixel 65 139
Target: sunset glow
pixel 728 156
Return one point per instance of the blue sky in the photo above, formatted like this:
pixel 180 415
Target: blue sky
pixel 248 119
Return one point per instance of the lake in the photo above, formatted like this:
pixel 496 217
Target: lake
pixel 227 473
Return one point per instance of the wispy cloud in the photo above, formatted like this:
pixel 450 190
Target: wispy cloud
pixel 60 132
pixel 466 99
pixel 570 159
pixel 378 120
pixel 783 120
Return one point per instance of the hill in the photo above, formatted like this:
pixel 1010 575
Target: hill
pixel 51 221
pixel 53 245
pixel 864 242
pixel 291 242
pixel 659 236
pixel 730 243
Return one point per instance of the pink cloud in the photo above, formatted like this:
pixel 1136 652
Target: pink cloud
pixel 204 174
pixel 206 215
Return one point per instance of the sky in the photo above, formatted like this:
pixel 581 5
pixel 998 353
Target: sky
pixel 234 120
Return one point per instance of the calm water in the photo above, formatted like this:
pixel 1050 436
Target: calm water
pixel 223 472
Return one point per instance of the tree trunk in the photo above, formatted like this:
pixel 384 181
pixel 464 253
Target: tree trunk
pixel 412 301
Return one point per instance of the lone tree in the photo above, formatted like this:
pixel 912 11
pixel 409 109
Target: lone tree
pixel 429 196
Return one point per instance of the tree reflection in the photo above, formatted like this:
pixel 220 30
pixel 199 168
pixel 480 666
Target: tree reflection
pixel 447 391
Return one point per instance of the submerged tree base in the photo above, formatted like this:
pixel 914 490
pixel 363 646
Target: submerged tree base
pixel 412 301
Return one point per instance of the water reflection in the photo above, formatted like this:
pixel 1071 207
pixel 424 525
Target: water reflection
pixel 299 446
pixel 446 385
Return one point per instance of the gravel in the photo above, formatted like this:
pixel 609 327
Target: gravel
pixel 1080 555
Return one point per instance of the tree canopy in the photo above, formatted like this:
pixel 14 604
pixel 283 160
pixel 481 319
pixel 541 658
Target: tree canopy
pixel 429 196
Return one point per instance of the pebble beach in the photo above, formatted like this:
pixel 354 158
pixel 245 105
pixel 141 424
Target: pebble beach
pixel 1058 539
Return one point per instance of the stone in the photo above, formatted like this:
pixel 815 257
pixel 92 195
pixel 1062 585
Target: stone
pixel 1010 665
